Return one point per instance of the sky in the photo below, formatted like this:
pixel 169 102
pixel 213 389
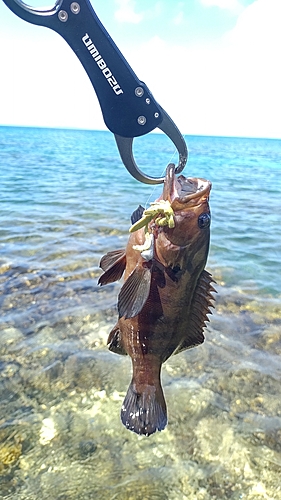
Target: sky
pixel 213 65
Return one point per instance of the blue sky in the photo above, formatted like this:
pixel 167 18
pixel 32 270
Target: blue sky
pixel 214 65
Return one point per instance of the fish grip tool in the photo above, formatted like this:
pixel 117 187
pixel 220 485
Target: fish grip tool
pixel 128 107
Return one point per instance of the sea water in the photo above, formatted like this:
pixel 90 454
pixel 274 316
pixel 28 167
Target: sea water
pixel 65 200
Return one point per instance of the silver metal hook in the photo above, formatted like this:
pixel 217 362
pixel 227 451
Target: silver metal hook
pixel 27 12
pixel 125 147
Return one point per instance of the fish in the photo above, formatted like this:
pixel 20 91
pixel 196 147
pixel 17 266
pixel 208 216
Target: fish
pixel 167 294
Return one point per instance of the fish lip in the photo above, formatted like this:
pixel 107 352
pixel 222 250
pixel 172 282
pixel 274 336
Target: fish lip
pixel 175 188
pixel 170 191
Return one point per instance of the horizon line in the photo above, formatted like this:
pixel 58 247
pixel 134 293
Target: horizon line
pixel 155 131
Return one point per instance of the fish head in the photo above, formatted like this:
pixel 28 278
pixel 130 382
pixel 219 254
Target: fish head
pixel 189 199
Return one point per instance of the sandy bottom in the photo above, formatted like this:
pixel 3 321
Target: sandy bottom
pixel 61 392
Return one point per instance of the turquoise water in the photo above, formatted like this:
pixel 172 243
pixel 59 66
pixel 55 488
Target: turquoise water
pixel 66 200
pixel 64 187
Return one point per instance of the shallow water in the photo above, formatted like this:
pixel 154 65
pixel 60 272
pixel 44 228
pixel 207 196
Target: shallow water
pixel 65 201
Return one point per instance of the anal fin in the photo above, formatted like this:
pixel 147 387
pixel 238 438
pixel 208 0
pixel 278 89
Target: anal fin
pixel 115 342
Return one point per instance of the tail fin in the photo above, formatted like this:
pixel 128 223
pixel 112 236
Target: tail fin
pixel 144 412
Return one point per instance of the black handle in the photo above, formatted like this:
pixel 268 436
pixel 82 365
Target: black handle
pixel 127 105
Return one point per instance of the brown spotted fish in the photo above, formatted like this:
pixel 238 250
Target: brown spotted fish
pixel 164 301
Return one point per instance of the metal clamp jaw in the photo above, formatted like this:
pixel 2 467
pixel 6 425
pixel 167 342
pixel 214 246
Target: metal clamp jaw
pixel 125 146
pixel 128 107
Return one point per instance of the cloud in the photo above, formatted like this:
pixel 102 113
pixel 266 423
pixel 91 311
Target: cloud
pixel 179 18
pixel 233 5
pixel 229 88
pixel 44 84
pixel 126 12
pixel 232 88
pixel 258 26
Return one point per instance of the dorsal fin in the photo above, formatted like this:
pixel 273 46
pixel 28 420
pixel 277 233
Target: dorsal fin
pixel 134 293
pixel 114 341
pixel 113 263
pixel 200 307
pixel 137 214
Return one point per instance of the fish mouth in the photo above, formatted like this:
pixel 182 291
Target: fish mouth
pixel 183 189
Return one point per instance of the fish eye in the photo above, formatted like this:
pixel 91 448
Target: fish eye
pixel 204 220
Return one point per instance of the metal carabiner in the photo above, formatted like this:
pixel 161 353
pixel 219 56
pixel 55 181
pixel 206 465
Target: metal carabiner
pixel 128 107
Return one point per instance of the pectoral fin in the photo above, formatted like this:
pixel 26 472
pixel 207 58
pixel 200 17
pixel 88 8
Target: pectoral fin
pixel 134 293
pixel 113 263
pixel 199 310
pixel 111 258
